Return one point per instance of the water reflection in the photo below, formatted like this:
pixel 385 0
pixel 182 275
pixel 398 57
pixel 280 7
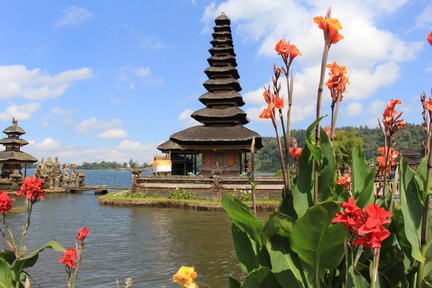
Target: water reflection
pixel 147 244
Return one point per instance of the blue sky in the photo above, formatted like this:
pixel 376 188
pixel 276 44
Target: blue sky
pixel 110 80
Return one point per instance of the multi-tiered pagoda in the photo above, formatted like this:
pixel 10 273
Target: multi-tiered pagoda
pixel 222 140
pixel 12 158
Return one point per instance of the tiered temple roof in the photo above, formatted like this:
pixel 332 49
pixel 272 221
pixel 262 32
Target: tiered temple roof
pixel 13 144
pixel 222 118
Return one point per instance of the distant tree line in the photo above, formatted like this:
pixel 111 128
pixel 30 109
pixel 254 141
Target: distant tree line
pixel 369 139
pixel 109 165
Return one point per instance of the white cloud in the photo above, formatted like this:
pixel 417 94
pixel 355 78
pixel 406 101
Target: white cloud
pixel 186 120
pixel 152 43
pixel 127 149
pixel 21 112
pixel 424 19
pixel 86 125
pixel 74 16
pixel 371 54
pixel 130 75
pixel 354 109
pixel 113 134
pixel 35 84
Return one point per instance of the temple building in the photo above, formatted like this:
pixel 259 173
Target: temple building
pixel 12 158
pixel 222 142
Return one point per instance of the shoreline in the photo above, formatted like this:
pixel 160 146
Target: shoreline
pixel 196 204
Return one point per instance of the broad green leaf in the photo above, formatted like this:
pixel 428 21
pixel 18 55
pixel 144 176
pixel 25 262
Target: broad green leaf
pixel 362 179
pixel 420 175
pixel 278 223
pixel 245 250
pixel 412 208
pixel 242 217
pixel 31 259
pixel 303 186
pixel 327 169
pixel 8 256
pixel 286 266
pixel 260 278
pixel 233 283
pixel 318 242
pixel 6 278
pixel 310 142
pixel 399 227
pixel 356 279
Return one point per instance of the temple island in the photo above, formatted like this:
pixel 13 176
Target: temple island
pixel 216 155
pixel 14 163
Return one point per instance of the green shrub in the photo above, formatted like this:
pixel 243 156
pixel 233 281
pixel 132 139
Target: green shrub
pixel 181 194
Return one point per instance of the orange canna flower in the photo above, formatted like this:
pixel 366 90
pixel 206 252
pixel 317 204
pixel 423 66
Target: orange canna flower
pixel 295 151
pixel 429 38
pixel 391 116
pixel 428 104
pixel 293 52
pixel 331 27
pixel 267 113
pixel 345 181
pixel 267 96
pixel 282 48
pixel 279 103
pixel 338 81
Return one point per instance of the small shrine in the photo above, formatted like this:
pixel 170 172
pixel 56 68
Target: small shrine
pixel 12 158
pixel 59 176
pixel 222 141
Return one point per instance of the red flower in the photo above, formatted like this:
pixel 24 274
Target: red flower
pixel 267 113
pixel 429 38
pixel 337 81
pixel 391 116
pixel 279 103
pixel 331 27
pixel 282 48
pixel 366 226
pixel 32 189
pixel 69 257
pixel 295 151
pixel 82 233
pixel 345 181
pixel 5 202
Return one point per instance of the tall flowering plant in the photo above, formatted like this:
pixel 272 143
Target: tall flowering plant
pixel 346 232
pixel 16 259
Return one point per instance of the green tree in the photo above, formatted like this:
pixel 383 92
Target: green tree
pixel 344 144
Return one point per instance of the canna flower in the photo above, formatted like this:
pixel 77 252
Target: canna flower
pixel 82 233
pixel 427 103
pixel 337 81
pixel 429 38
pixel 330 27
pixel 391 159
pixel 345 181
pixel 267 113
pixel 287 51
pixel 295 151
pixel 278 103
pixel 365 226
pixel 186 276
pixel 32 189
pixel 5 202
pixel 69 258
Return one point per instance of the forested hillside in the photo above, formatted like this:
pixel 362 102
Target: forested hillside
pixel 412 137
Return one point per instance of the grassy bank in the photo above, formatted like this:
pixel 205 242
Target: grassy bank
pixel 127 199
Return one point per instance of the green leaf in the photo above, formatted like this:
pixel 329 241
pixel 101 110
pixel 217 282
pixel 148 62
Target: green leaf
pixel 420 175
pixel 233 283
pixel 8 256
pixel 399 227
pixel 245 250
pixel 6 279
pixel 318 242
pixel 327 168
pixel 356 279
pixel 286 266
pixel 31 259
pixel 303 186
pixel 310 142
pixel 242 217
pixel 260 278
pixel 362 179
pixel 412 208
pixel 278 223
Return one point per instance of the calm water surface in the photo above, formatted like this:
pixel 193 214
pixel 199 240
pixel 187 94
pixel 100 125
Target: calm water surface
pixel 147 244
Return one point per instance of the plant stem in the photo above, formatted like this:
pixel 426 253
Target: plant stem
pixel 286 192
pixel 318 114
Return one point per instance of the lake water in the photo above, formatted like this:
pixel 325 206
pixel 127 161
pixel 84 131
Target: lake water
pixel 147 244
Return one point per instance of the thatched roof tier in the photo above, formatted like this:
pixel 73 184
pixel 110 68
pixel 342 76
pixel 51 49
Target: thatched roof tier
pixel 222 20
pixel 222 72
pixel 222 28
pixel 209 136
pixel 18 157
pixel 222 42
pixel 222 35
pixel 169 146
pixel 230 115
pixel 222 98
pixel 222 50
pixel 222 84
pixel 227 60
pixel 13 141
pixel 14 129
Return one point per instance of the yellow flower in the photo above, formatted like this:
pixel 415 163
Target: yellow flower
pixel 185 276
